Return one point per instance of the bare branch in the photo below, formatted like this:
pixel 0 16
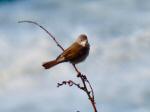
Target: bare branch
pixel 45 31
pixel 82 77
pixel 70 83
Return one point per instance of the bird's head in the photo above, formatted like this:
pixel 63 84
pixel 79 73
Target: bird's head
pixel 82 40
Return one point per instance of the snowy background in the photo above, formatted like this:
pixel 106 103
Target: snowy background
pixel 118 65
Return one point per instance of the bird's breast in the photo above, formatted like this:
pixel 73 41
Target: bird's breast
pixel 81 55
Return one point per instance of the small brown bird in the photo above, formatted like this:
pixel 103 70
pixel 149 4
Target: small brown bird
pixel 76 53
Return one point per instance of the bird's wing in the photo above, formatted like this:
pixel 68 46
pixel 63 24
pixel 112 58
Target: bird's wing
pixel 71 52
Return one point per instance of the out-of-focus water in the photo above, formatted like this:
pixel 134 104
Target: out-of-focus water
pixel 118 65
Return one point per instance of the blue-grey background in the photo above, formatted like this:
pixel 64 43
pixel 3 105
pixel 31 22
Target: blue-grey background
pixel 118 65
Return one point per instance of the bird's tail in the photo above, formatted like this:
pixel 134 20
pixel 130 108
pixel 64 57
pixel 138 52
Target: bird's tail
pixel 50 64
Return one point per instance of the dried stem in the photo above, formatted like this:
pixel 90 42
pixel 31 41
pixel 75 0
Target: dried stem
pixel 83 78
pixel 45 31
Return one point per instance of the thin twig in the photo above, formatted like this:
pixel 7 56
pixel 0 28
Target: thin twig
pixel 45 31
pixel 70 83
pixel 91 89
pixel 79 75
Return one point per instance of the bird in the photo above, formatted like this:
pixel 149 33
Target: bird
pixel 77 52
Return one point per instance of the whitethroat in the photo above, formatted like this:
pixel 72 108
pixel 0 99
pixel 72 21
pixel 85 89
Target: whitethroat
pixel 76 53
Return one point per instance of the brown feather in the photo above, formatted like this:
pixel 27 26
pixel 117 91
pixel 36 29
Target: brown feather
pixel 50 64
pixel 75 53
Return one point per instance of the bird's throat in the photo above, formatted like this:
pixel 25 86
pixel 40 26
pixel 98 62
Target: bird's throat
pixel 83 43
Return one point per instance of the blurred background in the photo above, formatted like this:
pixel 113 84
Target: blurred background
pixel 118 65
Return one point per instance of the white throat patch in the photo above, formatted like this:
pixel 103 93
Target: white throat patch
pixel 83 43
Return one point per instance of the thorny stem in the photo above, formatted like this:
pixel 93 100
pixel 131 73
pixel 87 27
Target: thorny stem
pixel 83 78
